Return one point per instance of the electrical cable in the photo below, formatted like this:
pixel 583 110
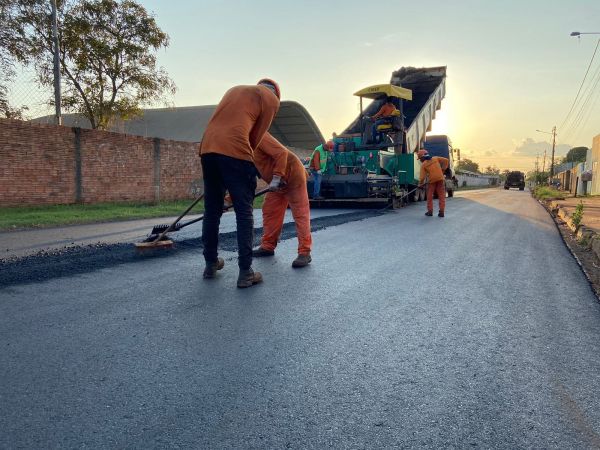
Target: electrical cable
pixel 580 87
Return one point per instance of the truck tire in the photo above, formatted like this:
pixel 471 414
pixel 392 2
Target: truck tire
pixel 450 193
pixel 521 188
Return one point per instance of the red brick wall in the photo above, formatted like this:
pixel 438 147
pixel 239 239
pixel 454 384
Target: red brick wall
pixel 38 165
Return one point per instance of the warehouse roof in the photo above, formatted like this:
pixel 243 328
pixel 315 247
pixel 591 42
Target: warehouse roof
pixel 293 126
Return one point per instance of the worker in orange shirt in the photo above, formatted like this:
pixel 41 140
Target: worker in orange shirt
pixel 287 177
pixel 433 168
pixel 235 129
pixel 382 116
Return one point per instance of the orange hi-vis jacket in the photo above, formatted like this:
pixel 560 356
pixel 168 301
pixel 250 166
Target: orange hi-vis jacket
pixel 384 111
pixel 434 169
pixel 272 158
pixel 240 121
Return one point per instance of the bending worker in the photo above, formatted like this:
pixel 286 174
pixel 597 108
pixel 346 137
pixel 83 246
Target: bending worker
pixel 235 129
pixel 318 164
pixel 287 177
pixel 433 168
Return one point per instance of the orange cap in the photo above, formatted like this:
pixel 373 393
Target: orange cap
pixel 329 145
pixel 273 84
pixel 421 153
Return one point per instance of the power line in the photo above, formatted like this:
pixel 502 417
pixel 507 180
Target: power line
pixel 580 87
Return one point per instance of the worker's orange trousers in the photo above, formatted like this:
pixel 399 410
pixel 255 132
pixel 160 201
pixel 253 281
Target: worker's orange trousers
pixel 273 214
pixel 438 187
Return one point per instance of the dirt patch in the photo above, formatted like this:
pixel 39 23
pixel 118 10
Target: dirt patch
pixel 583 254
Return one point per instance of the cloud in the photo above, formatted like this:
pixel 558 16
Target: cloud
pixel 530 147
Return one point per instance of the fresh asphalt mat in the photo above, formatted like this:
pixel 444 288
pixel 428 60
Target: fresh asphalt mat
pixel 46 265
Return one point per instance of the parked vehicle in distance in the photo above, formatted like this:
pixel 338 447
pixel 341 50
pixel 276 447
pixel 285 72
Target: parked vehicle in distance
pixel 515 179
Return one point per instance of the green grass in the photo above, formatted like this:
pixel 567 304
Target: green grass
pixel 471 188
pixel 548 193
pixel 23 217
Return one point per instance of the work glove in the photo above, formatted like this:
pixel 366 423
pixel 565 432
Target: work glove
pixel 319 172
pixel 275 183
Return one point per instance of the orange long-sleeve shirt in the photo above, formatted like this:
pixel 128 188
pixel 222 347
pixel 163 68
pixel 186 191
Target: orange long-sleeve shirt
pixel 386 110
pixel 240 121
pixel 434 169
pixel 272 158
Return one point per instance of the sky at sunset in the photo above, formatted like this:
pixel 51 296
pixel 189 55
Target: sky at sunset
pixel 512 66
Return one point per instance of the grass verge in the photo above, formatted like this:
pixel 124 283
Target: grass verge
pixel 24 217
pixel 548 193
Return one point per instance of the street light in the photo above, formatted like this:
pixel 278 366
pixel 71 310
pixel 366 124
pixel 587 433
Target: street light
pixel 579 33
pixel 553 133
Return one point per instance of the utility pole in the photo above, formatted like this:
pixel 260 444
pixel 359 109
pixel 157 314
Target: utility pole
pixel 553 144
pixel 57 94
pixel 544 163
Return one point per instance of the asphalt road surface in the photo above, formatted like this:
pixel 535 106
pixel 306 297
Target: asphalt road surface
pixel 476 330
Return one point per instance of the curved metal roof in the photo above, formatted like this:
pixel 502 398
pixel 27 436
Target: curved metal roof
pixel 293 126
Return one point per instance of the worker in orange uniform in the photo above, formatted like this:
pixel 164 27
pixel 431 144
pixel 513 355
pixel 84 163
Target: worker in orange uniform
pixel 227 149
pixel 287 177
pixel 433 167
pixel 387 110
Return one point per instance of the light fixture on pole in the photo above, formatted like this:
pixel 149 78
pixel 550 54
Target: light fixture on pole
pixel 553 133
pixel 579 33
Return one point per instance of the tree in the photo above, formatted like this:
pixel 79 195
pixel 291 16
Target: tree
pixel 7 68
pixel 491 170
pixel 467 164
pixel 107 59
pixel 576 154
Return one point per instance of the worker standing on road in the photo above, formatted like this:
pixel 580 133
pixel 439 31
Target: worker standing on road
pixel 287 177
pixel 433 168
pixel 235 129
pixel 318 164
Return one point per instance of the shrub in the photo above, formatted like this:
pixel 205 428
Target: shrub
pixel 578 215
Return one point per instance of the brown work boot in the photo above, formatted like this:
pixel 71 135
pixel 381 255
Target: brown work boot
pixel 441 214
pixel 210 271
pixel 260 252
pixel 302 260
pixel 429 213
pixel 248 277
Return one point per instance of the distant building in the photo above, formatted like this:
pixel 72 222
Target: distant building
pixel 293 126
pixel 468 178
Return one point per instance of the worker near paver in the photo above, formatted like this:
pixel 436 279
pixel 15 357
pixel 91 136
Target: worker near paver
pixel 387 110
pixel 235 129
pixel 433 168
pixel 318 164
pixel 287 177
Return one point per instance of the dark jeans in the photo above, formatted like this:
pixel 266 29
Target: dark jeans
pixel 223 173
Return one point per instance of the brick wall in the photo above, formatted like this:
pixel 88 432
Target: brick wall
pixel 46 164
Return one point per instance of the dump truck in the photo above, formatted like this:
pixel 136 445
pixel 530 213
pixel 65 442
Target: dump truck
pixel 374 164
pixel 515 179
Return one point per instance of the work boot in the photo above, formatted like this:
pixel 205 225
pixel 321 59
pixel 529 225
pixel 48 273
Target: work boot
pixel 441 214
pixel 302 260
pixel 248 277
pixel 260 252
pixel 210 271
pixel 429 213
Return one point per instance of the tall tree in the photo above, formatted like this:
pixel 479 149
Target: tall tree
pixel 576 154
pixel 467 164
pixel 491 170
pixel 107 55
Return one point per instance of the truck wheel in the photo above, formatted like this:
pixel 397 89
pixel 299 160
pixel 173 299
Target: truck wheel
pixel 450 193
pixel 522 189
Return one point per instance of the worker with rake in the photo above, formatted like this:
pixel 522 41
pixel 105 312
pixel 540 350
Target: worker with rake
pixel 227 149
pixel 433 168
pixel 287 177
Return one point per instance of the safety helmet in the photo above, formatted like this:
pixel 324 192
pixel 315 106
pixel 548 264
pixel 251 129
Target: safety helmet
pixel 329 145
pixel 272 85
